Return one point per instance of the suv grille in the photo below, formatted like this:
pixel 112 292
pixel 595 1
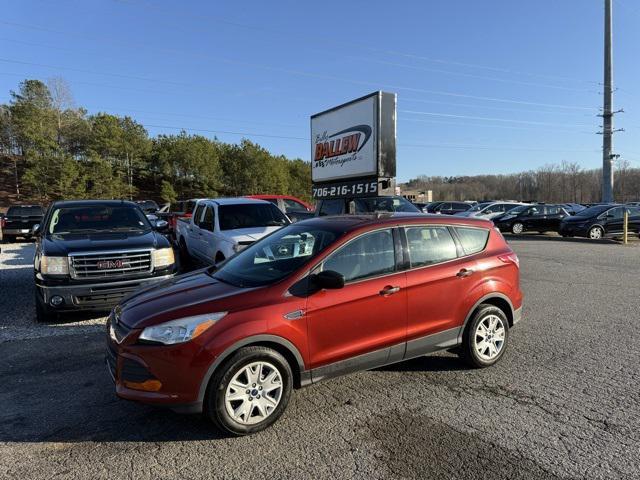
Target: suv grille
pixel 110 265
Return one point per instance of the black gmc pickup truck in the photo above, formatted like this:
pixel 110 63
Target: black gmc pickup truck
pixel 19 221
pixel 92 253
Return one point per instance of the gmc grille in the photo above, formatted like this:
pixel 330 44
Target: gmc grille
pixel 110 265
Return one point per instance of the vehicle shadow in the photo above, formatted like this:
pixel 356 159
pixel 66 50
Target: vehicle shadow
pixel 427 363
pixel 52 397
pixel 542 237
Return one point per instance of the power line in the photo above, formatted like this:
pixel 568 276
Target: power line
pixel 478 125
pixel 368 47
pixel 330 77
pixel 470 117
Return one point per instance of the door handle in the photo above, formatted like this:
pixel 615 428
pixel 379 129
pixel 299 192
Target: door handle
pixel 389 290
pixel 464 273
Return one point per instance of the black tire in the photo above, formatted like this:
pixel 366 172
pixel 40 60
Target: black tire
pixel 183 255
pixel 214 404
pixel 517 228
pixel 43 314
pixel 219 258
pixel 468 351
pixel 593 235
pixel 9 238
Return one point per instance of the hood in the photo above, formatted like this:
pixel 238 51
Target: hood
pixel 249 234
pixel 192 294
pixel 61 245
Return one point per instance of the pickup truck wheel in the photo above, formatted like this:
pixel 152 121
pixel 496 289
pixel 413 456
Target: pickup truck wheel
pixel 183 253
pixel 250 391
pixel 43 314
pixel 485 337
pixel 8 239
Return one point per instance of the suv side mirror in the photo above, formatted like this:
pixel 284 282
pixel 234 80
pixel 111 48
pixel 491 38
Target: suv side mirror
pixel 328 279
pixel 35 230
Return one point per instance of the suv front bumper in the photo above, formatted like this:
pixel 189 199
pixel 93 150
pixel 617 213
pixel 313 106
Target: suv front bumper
pixel 92 296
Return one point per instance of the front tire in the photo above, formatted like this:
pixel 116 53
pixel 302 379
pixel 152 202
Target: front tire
pixel 596 233
pixel 43 314
pixel 486 337
pixel 517 228
pixel 250 391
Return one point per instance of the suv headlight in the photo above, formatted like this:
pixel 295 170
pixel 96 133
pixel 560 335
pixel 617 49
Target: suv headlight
pixel 54 265
pixel 180 330
pixel 163 257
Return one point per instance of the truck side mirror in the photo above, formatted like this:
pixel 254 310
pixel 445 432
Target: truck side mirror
pixel 35 230
pixel 161 225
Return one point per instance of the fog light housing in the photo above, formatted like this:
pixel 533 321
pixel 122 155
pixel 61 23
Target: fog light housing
pixel 56 301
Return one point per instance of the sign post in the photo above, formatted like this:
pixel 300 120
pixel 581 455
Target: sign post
pixel 353 148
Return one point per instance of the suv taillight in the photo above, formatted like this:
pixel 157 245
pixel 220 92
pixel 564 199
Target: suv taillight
pixel 510 258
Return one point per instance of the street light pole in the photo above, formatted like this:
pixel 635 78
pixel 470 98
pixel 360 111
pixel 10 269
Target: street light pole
pixel 607 113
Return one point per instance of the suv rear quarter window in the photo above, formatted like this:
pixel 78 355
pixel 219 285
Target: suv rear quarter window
pixel 473 240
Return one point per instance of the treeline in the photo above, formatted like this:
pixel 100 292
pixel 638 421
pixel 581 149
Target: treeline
pixel 566 182
pixel 53 150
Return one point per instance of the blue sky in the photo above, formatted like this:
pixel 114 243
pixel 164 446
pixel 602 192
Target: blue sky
pixel 493 86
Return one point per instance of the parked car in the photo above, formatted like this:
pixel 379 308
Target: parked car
pixel 451 208
pixel 293 207
pixel 541 218
pixel 573 208
pixel 221 227
pixel 148 206
pixel 315 300
pixel 421 206
pixel 286 203
pixel 176 210
pixel 19 221
pixel 360 205
pixel 431 207
pixel 633 204
pixel 489 210
pixel 92 253
pixel 600 221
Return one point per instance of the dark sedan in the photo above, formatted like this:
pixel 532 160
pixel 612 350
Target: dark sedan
pixel 599 221
pixel 538 218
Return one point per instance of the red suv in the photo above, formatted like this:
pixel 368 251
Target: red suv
pixel 314 300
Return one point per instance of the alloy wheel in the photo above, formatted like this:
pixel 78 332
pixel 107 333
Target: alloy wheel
pixel 254 393
pixel 595 233
pixel 489 337
pixel 517 228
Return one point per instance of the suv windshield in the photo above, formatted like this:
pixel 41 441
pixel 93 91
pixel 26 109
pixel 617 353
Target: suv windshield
pixel 384 204
pixel 250 215
pixel 276 256
pixel 96 218
pixel 27 211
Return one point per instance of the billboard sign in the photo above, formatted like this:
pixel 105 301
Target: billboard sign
pixel 354 141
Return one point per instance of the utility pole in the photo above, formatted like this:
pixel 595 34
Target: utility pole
pixel 607 113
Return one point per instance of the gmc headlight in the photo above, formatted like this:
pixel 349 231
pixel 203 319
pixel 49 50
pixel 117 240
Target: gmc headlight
pixel 163 257
pixel 181 330
pixel 54 265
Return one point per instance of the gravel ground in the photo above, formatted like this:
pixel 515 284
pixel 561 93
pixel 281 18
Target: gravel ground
pixel 563 403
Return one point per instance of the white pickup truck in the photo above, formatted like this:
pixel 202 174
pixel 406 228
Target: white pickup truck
pixel 221 227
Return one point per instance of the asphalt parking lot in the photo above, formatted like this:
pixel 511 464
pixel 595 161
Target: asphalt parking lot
pixel 563 403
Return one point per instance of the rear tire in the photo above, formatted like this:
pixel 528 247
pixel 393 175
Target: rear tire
pixel 517 228
pixel 250 391
pixel 596 233
pixel 486 337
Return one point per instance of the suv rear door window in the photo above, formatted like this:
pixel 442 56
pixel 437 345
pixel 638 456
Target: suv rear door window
pixel 473 239
pixel 367 256
pixel 429 245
